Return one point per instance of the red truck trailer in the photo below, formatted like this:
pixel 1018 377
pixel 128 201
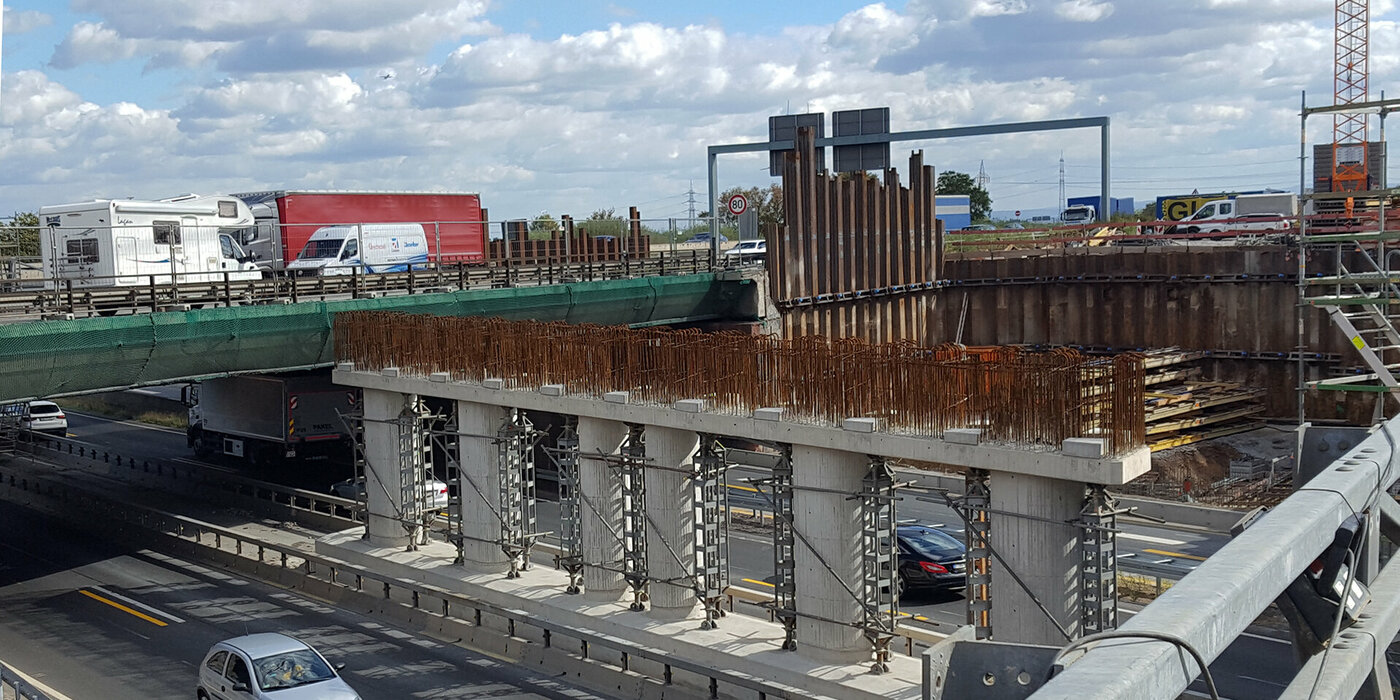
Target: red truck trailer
pixel 454 222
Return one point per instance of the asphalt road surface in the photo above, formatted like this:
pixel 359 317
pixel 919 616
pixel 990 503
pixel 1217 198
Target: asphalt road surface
pixel 96 621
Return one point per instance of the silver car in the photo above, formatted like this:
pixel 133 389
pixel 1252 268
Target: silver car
pixel 434 492
pixel 269 666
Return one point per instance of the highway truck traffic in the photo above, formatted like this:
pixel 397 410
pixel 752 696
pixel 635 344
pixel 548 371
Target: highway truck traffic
pixel 1083 210
pixel 453 224
pixel 129 242
pixel 262 418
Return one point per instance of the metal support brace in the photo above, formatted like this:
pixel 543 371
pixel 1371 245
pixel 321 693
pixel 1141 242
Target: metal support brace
pixel 515 474
pixel 415 461
pixel 1098 542
pixel 879 568
pixel 784 549
pixel 354 423
pixel 632 471
pixel 451 445
pixel 566 461
pixel 977 498
pixel 711 506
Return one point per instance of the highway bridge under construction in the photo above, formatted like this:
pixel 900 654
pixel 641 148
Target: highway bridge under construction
pixel 1038 381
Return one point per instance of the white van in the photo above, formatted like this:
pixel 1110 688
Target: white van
pixel 340 250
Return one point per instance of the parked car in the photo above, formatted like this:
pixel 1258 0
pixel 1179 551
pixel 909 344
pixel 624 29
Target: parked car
pixel 979 227
pixel 354 489
pixel 703 238
pixel 39 417
pixel 930 559
pixel 267 667
pixel 747 251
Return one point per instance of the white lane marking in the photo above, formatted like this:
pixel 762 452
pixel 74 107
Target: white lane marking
pixel 1150 538
pixel 31 680
pixel 136 603
pixel 1261 680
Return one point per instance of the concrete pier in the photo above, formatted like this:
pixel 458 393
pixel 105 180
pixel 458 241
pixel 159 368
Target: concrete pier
pixel 601 512
pixel 480 486
pixel 383 492
pixel 829 520
pixel 670 502
pixel 1042 550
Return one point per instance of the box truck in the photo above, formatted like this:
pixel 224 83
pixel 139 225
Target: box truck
pixel 261 418
pixel 453 223
pixel 1080 210
pixel 128 242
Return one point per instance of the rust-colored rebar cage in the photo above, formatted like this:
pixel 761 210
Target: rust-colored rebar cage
pixel 1013 396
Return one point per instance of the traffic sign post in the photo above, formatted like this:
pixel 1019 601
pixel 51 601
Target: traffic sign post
pixel 738 204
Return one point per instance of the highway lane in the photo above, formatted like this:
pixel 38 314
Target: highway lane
pixel 751 563
pixel 1250 668
pixel 95 620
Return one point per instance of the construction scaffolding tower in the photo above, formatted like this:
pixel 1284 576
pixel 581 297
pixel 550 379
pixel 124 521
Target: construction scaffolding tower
pixel 632 473
pixel 711 521
pixel 879 564
pixel 450 443
pixel 976 501
pixel 415 471
pixel 784 605
pixel 515 479
pixel 565 454
pixel 1098 573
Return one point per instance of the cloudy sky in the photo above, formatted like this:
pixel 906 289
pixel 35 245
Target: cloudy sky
pixel 570 106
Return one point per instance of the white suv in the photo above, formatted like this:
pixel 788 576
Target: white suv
pixel 39 417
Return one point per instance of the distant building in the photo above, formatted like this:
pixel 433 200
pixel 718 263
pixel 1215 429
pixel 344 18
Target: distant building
pixel 954 210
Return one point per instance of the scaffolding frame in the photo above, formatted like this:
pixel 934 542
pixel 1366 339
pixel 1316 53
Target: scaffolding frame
pixel 1098 573
pixel 565 455
pixel 976 503
pixel 515 481
pixel 415 461
pixel 710 518
pixel 784 605
pixel 879 564
pixel 631 470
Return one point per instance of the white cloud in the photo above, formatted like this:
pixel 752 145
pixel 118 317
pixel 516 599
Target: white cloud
pixel 290 94
pixel 1084 10
pixel 24 21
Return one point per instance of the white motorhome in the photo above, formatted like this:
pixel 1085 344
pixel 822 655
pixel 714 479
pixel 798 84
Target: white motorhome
pixel 127 242
pixel 341 250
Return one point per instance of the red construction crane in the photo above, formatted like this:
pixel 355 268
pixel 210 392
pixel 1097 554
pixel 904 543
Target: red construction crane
pixel 1349 84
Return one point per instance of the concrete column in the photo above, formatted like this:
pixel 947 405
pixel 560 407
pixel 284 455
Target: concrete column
pixel 671 521
pixel 383 492
pixel 1043 552
pixel 479 487
pixel 830 521
pixel 601 516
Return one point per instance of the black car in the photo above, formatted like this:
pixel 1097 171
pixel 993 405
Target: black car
pixel 930 559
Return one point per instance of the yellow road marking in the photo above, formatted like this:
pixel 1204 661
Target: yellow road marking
pixel 757 583
pixel 1174 554
pixel 743 488
pixel 123 608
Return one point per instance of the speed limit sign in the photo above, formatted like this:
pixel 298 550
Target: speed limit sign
pixel 738 204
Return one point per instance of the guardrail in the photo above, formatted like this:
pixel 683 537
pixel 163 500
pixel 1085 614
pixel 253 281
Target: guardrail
pixel 1208 610
pixel 50 296
pixel 21 687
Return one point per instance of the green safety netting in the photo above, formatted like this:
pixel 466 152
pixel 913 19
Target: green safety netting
pixel 49 358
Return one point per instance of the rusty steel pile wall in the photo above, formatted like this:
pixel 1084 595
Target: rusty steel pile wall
pixel 1033 399
pixel 856 258
pixel 1237 303
pixel 588 241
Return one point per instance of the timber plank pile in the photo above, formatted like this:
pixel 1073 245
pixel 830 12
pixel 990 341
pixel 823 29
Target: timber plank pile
pixel 1181 408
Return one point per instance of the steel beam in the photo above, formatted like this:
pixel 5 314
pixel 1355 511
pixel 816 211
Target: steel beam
pixel 1213 605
